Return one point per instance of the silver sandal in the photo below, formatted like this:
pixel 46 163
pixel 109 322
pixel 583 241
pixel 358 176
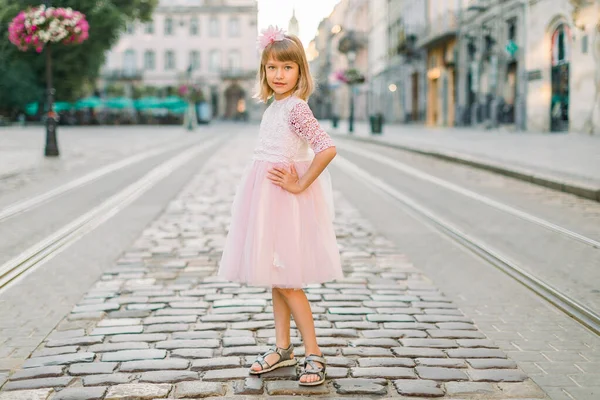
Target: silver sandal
pixel 285 360
pixel 314 370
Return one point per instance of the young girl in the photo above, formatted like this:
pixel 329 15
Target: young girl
pixel 281 234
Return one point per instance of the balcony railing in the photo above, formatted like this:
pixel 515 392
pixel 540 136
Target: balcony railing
pixel 441 28
pixel 123 74
pixel 237 74
pixel 477 5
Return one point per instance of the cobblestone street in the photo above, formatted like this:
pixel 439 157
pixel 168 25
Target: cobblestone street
pixel 160 325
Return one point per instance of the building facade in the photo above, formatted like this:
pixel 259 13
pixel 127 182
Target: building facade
pixel 349 19
pixel 491 89
pixel 406 66
pixel 381 100
pixel 320 54
pixel 210 43
pixel 439 38
pixel 563 66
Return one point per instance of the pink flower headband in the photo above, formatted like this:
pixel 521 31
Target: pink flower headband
pixel 270 35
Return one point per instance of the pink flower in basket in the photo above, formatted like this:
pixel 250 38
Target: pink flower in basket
pixel 340 76
pixel 183 90
pixel 38 26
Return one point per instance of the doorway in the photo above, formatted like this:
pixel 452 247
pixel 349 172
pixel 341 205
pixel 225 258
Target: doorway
pixel 432 107
pixel 415 97
pixel 234 101
pixel 559 103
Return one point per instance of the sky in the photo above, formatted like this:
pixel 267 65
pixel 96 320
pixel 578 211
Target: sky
pixel 308 12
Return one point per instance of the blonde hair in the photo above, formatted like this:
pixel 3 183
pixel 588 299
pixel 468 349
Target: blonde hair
pixel 288 49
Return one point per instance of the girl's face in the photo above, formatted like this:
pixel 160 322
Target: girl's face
pixel 282 77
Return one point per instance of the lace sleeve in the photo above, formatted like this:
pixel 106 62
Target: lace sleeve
pixel 305 125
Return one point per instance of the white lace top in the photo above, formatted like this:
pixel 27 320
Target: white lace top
pixel 288 131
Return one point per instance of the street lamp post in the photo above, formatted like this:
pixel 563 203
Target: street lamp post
pixel 336 29
pixel 190 114
pixel 351 58
pixel 51 149
pixel 39 27
pixel 349 45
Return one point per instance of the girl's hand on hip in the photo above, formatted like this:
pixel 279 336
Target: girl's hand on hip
pixel 287 180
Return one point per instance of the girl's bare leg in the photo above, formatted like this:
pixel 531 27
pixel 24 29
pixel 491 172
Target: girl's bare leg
pixel 281 313
pixel 300 308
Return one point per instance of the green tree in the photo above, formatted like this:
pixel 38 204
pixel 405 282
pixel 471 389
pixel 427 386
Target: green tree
pixel 75 67
pixel 18 81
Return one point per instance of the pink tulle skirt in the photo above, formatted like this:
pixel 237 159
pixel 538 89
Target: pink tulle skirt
pixel 280 239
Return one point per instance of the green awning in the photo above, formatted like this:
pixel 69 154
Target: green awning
pixel 174 103
pixel 31 108
pixel 119 103
pixel 149 102
pixel 59 106
pixel 88 102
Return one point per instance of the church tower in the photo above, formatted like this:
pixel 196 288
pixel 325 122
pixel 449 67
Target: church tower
pixel 293 26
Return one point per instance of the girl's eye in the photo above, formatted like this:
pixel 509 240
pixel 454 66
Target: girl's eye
pixel 288 67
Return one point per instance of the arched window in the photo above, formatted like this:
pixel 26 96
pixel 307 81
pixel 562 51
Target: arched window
pixel 168 26
pixel 214 27
pixel 129 62
pixel 170 62
pixel 149 27
pixel 195 60
pixel 149 60
pixel 194 27
pixel 234 61
pixel 234 27
pixel 561 46
pixel 214 61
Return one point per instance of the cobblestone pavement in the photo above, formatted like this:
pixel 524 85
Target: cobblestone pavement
pixel 160 325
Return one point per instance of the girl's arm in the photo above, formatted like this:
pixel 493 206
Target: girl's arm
pixel 317 166
pixel 304 124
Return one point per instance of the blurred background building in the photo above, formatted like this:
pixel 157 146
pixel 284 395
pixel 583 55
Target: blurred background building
pixel 515 64
pixel 562 57
pixel 210 44
pixel 491 63
pixel 341 45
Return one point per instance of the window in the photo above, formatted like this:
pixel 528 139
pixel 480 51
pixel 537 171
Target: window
pixel 194 27
pixel 168 26
pixel 215 61
pixel 169 60
pixel 149 60
pixel 130 28
pixel 149 28
pixel 234 27
pixel 129 66
pixel 195 60
pixel 585 44
pixel 512 29
pixel 234 61
pixel 213 27
pixel 433 61
pixel 560 45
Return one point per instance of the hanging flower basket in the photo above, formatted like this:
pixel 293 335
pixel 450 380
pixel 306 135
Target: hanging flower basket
pixel 192 93
pixel 36 27
pixel 350 76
